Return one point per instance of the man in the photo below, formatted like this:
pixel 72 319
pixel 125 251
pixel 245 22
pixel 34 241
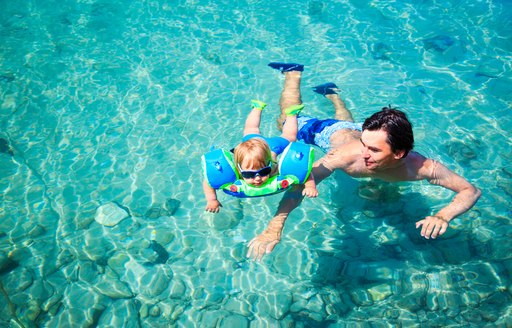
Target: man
pixel 382 150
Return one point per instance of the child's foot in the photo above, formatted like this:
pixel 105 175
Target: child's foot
pixel 286 67
pixel 294 110
pixel 256 104
pixel 326 89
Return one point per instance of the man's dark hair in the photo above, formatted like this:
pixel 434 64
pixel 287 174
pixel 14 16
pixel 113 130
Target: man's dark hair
pixel 396 124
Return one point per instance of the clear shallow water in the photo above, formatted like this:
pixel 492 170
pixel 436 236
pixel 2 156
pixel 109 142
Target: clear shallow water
pixel 114 104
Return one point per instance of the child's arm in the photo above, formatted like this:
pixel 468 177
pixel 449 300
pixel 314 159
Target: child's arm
pixel 212 204
pixel 310 187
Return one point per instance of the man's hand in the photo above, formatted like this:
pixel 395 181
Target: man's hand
pixel 261 245
pixel 432 226
pixel 213 206
pixel 310 192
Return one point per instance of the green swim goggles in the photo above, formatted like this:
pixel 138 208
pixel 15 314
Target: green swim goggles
pixel 251 174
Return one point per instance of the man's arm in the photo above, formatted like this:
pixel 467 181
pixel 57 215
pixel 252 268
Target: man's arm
pixel 265 242
pixel 467 195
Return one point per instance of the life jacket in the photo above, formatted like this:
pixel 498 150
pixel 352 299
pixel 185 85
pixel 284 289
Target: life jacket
pixel 295 164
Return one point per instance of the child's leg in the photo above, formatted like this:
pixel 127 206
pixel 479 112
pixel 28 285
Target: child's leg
pixel 290 96
pixel 290 128
pixel 252 123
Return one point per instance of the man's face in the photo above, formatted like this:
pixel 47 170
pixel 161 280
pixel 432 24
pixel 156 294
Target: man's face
pixel 376 151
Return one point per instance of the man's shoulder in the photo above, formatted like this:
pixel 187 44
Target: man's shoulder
pixel 421 166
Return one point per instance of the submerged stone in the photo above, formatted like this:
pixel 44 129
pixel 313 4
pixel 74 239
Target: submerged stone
pixel 5 147
pixel 381 51
pixel 122 313
pixel 169 208
pixel 155 311
pixel 161 254
pixel 114 289
pixel 380 292
pixel 235 320
pixel 110 214
pixel 438 43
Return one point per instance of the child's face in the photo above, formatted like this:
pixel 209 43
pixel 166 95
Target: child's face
pixel 253 174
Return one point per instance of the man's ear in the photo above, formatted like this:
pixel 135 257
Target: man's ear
pixel 399 154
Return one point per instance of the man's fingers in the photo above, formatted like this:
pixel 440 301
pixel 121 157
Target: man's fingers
pixel 426 230
pixel 435 231
pixel 440 229
pixel 443 229
pixel 250 248
pixel 270 247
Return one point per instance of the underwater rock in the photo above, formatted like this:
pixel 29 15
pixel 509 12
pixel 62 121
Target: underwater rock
pixel 32 311
pixel 317 9
pixel 233 304
pixel 144 311
pixel 79 304
pixel 381 51
pixel 53 301
pixel 6 264
pixel 168 209
pixel 438 43
pixel 178 289
pixel 161 254
pixel 87 271
pixel 110 214
pixel 5 147
pixel 155 311
pixel 234 320
pixel 41 290
pixel 361 297
pixel 171 206
pixel 122 313
pixel 114 289
pixel 380 292
pixel 6 78
pixel 18 280
pixel 152 282
pixel 463 152
pixel 118 261
pixel 412 302
pixel 279 304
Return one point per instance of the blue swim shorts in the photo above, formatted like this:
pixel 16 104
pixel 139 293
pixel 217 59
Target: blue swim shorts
pixel 318 132
pixel 276 144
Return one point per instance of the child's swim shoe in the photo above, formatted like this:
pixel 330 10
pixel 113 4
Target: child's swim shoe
pixel 294 110
pixel 256 104
pixel 326 89
pixel 286 67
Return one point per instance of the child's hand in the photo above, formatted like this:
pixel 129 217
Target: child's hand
pixel 213 206
pixel 310 192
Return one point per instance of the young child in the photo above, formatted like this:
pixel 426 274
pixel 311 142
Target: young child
pixel 256 157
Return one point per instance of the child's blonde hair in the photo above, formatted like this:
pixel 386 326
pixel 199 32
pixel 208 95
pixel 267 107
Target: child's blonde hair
pixel 256 150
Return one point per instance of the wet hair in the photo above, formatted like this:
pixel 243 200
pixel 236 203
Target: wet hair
pixel 397 126
pixel 256 150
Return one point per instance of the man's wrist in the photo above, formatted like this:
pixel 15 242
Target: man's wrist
pixel 441 217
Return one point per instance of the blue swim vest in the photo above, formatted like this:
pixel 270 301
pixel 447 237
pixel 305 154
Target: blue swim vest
pixel 295 164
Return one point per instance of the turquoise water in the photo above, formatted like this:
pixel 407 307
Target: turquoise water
pixel 109 106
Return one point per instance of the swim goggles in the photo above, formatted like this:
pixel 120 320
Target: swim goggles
pixel 250 174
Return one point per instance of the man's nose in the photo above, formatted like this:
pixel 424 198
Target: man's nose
pixel 364 152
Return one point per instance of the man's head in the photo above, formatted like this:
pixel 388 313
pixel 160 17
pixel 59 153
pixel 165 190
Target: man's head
pixel 387 136
pixel 397 126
